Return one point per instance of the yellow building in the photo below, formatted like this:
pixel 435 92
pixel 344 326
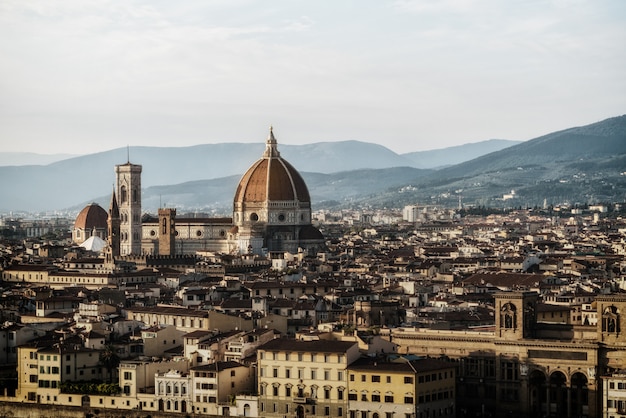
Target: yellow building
pixel 304 378
pixel 403 388
pixel 43 367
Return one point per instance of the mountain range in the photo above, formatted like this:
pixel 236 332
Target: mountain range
pixel 576 165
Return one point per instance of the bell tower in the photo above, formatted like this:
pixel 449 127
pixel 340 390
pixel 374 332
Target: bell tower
pixel 113 223
pixel 515 315
pixel 167 231
pixel 128 188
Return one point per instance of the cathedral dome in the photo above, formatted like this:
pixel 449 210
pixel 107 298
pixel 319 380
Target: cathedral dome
pixel 92 216
pixel 271 178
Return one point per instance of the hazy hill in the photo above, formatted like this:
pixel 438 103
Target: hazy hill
pixel 605 139
pixel 30 158
pixel 583 164
pixel 68 182
pixel 327 190
pixel 578 165
pixel 455 155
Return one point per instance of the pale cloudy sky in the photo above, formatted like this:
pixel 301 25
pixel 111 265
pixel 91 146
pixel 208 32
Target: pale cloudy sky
pixel 82 76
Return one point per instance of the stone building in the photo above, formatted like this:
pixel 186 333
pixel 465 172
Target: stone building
pixel 526 369
pixel 91 221
pixel 271 213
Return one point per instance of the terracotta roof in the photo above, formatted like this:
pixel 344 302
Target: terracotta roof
pixel 271 178
pixel 92 216
pixel 318 346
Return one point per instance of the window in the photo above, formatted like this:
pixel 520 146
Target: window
pixel 352 397
pixel 123 196
pixel 352 378
pixel 389 398
pixel 363 378
pixel 375 397
pixel 376 378
pixel 408 380
pixel 508 370
pixel 408 399
pixel 388 379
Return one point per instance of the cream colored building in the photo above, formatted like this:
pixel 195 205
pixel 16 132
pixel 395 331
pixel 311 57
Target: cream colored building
pixel 402 388
pixel 216 383
pixel 304 378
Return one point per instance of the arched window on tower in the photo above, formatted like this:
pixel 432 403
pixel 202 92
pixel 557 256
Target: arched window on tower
pixel 610 320
pixel 135 196
pixel 164 226
pixel 123 194
pixel 507 316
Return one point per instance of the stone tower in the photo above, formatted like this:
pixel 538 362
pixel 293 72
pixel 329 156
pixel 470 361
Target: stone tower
pixel 128 188
pixel 167 231
pixel 113 224
pixel 515 315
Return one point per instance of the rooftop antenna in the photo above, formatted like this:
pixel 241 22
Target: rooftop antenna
pixel 128 153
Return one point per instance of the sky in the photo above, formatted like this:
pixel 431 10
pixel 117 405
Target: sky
pixel 84 76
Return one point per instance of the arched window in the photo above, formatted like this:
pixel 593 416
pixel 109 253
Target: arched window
pixel 123 194
pixel 135 196
pixel 610 320
pixel 164 226
pixel 507 316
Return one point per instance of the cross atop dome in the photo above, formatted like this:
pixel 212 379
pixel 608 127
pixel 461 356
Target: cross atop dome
pixel 271 149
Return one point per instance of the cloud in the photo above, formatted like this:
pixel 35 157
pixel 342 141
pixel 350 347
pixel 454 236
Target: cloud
pixel 357 69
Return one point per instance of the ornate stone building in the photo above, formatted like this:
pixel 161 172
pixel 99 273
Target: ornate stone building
pixel 523 368
pixel 128 188
pixel 91 221
pixel 271 213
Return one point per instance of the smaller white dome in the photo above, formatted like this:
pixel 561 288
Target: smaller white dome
pixel 94 243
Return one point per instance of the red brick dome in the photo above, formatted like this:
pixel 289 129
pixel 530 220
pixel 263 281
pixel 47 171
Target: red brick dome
pixel 92 216
pixel 271 178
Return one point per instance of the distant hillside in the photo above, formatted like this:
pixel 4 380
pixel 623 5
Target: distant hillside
pixel 37 187
pixel 583 164
pixel 455 155
pixel 327 190
pixel 68 182
pixel 30 158
pixel 574 166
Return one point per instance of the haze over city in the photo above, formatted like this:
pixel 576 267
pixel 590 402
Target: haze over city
pixel 82 77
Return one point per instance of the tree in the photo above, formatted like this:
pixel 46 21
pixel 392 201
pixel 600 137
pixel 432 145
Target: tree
pixel 109 360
